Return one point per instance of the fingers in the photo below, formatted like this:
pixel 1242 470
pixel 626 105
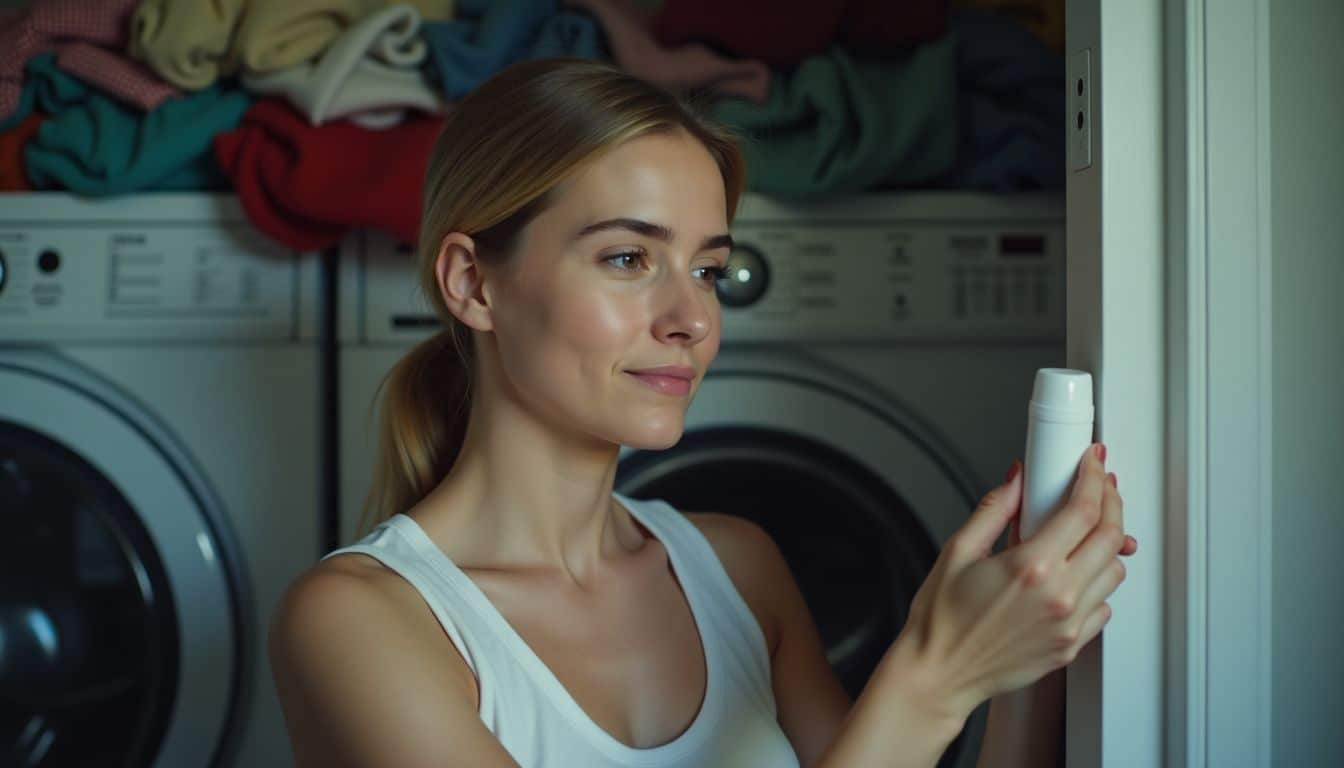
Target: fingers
pixel 976 538
pixel 1100 589
pixel 1091 627
pixel 1113 517
pixel 1131 544
pixel 1061 534
pixel 1091 477
pixel 1095 554
pixel 1094 569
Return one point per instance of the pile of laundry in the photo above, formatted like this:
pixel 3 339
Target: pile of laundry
pixel 320 114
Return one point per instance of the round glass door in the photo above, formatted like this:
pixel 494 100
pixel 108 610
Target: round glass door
pixel 122 620
pixel 88 634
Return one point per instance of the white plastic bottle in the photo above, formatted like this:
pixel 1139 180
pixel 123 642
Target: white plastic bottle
pixel 1059 432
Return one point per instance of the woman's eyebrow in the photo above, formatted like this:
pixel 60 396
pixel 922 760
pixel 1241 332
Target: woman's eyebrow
pixel 649 229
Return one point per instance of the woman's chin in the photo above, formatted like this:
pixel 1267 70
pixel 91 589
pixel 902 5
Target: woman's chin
pixel 655 439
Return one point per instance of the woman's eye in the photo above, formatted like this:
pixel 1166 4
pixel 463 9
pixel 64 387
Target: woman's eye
pixel 713 274
pixel 618 260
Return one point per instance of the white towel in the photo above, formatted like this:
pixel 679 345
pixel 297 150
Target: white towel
pixel 370 74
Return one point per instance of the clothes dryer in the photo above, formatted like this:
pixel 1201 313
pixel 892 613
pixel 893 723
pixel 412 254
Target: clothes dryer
pixel 159 477
pixel 877 358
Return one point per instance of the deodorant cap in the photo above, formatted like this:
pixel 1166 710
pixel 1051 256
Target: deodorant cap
pixel 1062 395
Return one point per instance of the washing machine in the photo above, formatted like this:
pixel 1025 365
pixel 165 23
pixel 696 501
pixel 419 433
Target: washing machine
pixel 878 355
pixel 159 477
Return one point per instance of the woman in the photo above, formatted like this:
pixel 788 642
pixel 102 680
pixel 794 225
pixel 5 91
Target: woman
pixel 509 609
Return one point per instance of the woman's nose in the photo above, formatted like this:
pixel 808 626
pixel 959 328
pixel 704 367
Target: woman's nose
pixel 684 312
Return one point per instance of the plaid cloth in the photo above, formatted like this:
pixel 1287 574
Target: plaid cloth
pixel 56 24
pixel 115 74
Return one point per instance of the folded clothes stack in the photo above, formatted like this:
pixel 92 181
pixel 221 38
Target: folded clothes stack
pixel 320 114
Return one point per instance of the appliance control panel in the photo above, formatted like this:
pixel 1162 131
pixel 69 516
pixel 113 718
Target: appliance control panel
pixel 894 280
pixel 190 267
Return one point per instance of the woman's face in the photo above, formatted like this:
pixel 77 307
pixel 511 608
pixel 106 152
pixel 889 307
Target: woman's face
pixel 617 276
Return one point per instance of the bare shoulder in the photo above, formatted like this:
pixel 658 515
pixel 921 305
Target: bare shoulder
pixel 753 562
pixel 354 604
pixel 364 678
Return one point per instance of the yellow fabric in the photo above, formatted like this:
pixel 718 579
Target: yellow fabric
pixel 192 43
pixel 1044 18
pixel 185 41
pixel 278 35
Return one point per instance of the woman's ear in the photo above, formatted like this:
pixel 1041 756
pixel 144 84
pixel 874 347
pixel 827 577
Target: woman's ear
pixel 461 282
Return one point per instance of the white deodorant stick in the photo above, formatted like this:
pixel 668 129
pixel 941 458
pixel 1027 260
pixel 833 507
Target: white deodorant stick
pixel 1059 431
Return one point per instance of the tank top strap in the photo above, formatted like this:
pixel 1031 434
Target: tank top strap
pixel 396 544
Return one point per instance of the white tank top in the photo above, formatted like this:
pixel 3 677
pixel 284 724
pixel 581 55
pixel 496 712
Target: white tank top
pixel 524 704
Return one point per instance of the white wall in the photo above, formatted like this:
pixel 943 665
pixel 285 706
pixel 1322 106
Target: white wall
pixel 1307 172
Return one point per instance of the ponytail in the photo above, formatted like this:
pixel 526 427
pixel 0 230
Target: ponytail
pixel 425 401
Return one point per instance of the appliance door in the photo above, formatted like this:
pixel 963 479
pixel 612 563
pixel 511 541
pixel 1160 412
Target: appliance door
pixel 119 641
pixel 858 496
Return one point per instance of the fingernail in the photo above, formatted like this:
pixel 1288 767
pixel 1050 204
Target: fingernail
pixel 1012 471
pixel 1110 477
pixel 1101 452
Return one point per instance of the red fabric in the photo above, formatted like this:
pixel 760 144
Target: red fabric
pixel 307 186
pixel 784 32
pixel 12 176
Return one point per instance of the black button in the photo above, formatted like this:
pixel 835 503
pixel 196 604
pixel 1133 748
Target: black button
pixel 49 261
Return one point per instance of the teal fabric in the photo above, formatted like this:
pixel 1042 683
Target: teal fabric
pixel 94 145
pixel 839 125
pixel 46 88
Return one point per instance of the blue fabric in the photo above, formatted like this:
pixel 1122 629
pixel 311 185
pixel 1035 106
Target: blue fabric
pixel 488 35
pixel 1013 133
pixel 94 145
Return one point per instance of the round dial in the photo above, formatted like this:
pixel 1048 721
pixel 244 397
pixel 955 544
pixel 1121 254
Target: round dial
pixel 747 279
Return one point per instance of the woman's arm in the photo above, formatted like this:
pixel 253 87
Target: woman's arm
pixel 898 721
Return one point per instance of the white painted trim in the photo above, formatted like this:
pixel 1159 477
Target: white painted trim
pixel 1186 527
pixel 1219 490
pixel 1117 287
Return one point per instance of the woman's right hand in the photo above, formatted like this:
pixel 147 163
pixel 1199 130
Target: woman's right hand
pixel 982 625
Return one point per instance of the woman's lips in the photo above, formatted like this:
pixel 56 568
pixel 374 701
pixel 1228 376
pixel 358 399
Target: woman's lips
pixel 668 385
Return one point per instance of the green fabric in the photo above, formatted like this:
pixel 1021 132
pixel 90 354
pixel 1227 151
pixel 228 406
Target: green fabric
pixel 94 145
pixel 839 125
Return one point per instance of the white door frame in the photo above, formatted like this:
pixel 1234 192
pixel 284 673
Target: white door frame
pixel 1220 462
pixel 1169 307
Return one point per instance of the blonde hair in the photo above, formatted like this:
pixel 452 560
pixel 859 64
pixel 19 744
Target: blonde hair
pixel 502 151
